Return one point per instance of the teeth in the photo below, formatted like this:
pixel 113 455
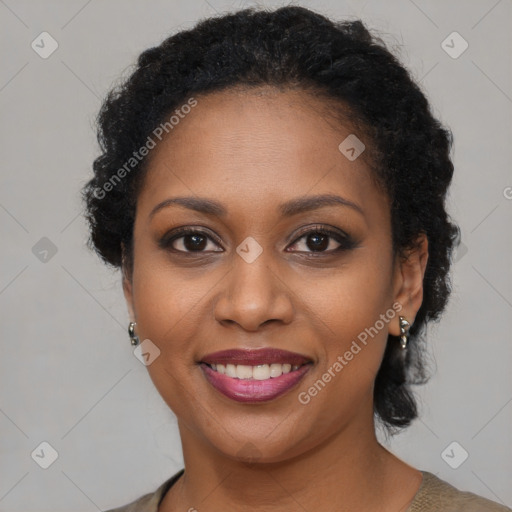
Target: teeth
pixel 230 370
pixel 243 372
pixel 259 372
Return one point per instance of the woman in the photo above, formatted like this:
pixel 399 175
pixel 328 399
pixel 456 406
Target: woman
pixel 272 185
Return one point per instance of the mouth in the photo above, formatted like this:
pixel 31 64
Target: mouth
pixel 254 375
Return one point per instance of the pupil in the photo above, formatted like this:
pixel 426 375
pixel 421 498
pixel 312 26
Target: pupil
pixel 198 244
pixel 321 242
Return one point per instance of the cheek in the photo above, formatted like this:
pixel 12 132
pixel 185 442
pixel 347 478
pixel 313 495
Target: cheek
pixel 168 312
pixel 348 299
pixel 168 306
pixel 352 311
pixel 167 297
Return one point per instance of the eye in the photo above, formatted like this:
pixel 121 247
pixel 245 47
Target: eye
pixel 320 239
pixel 188 240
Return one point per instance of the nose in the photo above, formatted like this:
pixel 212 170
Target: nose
pixel 254 294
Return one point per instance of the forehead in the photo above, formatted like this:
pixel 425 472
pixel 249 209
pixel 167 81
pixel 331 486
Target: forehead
pixel 255 147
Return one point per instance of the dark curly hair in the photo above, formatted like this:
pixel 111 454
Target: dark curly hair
pixel 294 48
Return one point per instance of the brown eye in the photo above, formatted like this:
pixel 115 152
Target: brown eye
pixel 194 242
pixel 323 240
pixel 188 240
pixel 317 240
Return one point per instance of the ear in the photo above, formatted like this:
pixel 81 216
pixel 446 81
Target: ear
pixel 127 284
pixel 408 281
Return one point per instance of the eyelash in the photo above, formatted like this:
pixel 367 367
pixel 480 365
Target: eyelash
pixel 346 242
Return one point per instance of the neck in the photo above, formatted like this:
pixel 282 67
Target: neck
pixel 350 470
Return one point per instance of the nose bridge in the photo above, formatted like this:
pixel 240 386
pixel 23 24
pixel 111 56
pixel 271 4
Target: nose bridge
pixel 251 270
pixel 252 293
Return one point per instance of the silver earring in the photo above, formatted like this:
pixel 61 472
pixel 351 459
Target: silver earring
pixel 404 332
pixel 131 331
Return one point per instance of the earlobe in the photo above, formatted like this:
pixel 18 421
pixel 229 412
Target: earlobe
pixel 409 274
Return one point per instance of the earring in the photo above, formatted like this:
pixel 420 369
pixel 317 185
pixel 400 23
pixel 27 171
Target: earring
pixel 131 331
pixel 404 332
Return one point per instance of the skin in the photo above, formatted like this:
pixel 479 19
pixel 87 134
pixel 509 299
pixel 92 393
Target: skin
pixel 252 151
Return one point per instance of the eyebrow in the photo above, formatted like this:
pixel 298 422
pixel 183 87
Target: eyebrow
pixel 287 209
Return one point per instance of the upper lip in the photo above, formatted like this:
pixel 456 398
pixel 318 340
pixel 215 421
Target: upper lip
pixel 252 357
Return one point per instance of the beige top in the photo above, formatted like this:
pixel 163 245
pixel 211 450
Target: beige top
pixel 434 495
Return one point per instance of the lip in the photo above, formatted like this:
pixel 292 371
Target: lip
pixel 256 357
pixel 253 390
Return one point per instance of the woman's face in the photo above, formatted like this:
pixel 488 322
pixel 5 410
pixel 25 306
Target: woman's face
pixel 258 275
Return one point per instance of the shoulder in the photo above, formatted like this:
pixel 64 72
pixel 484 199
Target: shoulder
pixel 435 494
pixel 149 502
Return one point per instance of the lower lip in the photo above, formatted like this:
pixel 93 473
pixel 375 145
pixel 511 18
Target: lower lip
pixel 253 390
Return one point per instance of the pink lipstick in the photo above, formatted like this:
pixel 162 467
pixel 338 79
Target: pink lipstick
pixel 254 375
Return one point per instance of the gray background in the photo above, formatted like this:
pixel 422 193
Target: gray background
pixel 68 374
